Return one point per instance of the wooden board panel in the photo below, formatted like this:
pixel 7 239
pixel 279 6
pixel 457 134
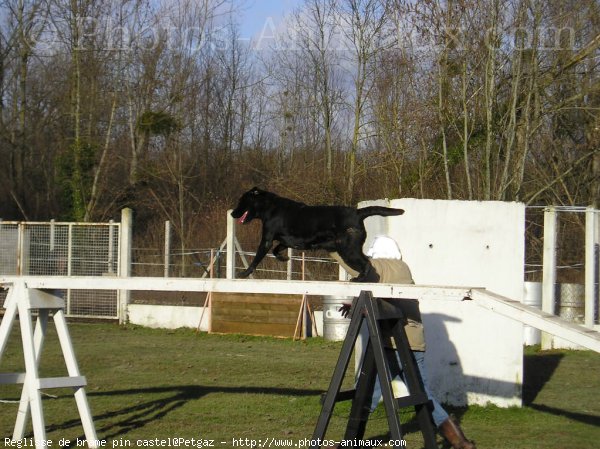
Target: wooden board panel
pixel 255 314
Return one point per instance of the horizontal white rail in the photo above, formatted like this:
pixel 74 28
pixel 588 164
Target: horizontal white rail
pixel 316 288
pixel 531 316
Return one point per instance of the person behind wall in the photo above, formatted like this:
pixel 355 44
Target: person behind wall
pixel 387 266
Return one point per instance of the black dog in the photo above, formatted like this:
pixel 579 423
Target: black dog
pixel 295 225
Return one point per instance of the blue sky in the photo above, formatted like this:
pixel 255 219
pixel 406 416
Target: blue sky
pixel 256 13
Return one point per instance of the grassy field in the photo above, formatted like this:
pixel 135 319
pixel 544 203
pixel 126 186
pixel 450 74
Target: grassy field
pixel 154 384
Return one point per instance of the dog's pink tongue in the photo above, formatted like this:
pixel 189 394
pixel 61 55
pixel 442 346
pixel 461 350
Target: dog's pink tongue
pixel 243 217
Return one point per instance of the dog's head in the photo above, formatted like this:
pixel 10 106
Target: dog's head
pixel 249 206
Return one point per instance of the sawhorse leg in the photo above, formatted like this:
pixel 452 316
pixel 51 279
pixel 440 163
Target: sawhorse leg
pixel 414 383
pixel 73 370
pixel 31 399
pixel 337 377
pixel 361 404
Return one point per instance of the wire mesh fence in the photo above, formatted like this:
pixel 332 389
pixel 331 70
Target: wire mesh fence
pixel 65 249
pixel 197 263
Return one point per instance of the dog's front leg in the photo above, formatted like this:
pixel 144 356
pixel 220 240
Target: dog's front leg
pixel 280 252
pixel 261 252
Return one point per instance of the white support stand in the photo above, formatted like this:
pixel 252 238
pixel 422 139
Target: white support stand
pixel 21 300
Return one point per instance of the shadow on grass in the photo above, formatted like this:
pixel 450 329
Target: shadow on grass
pixel 537 371
pixel 136 416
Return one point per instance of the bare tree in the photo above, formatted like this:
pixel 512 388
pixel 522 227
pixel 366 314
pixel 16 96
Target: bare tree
pixel 365 25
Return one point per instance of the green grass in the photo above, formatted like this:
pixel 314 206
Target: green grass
pixel 147 384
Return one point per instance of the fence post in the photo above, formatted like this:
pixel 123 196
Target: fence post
pixel 230 268
pixel 125 249
pixel 20 249
pixel 592 240
pixel 167 248
pixel 549 270
pixel 111 248
pixel 52 235
pixel 290 272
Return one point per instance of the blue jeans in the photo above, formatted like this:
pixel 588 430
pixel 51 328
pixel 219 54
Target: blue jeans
pixel 439 414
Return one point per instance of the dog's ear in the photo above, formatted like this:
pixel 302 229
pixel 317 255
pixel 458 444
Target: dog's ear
pixel 255 190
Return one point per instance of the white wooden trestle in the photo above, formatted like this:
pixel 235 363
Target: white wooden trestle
pixel 22 300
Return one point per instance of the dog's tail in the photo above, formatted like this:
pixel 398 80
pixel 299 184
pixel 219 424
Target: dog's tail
pixel 365 212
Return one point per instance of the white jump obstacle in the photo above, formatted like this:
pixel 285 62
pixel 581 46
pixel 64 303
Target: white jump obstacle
pixel 21 300
pixel 30 292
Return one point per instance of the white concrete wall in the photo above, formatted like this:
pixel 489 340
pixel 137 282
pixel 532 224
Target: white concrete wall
pixel 473 355
pixel 168 317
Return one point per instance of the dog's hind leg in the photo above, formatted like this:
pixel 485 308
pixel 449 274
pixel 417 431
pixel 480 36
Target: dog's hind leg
pixel 358 262
pixel 280 252
pixel 350 249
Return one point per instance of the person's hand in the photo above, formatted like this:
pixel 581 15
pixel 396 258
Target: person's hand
pixel 345 310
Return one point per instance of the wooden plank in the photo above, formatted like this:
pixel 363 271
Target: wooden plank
pixel 254 298
pixel 255 314
pixel 256 305
pixel 273 330
pixel 270 319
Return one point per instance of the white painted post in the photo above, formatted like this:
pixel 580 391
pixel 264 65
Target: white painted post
pixel 52 234
pixel 230 260
pixel 69 264
pixel 549 270
pixel 21 250
pixel 111 248
pixel 592 224
pixel 290 254
pixel 167 248
pixel 125 251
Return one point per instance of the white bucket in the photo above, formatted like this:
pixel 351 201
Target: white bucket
pixel 532 297
pixel 335 326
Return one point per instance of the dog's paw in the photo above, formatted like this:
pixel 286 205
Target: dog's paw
pixel 247 272
pixel 371 276
pixel 282 257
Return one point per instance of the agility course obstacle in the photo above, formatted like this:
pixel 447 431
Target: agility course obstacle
pixel 385 322
pixel 20 301
pixel 31 292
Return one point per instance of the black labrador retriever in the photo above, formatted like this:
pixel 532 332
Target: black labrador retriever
pixel 295 225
